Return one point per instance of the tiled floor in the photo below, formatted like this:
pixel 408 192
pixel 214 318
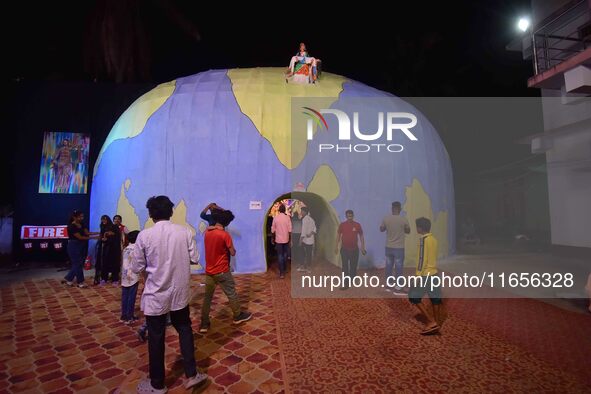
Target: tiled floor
pixel 62 340
pixel 373 345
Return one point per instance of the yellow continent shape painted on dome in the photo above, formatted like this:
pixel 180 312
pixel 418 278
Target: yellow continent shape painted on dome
pixel 126 210
pixel 179 216
pixel 265 97
pixel 133 120
pixel 325 183
pixel 418 204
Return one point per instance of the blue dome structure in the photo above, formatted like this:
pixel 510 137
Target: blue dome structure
pixel 227 136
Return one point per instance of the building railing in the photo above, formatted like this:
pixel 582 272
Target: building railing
pixel 561 38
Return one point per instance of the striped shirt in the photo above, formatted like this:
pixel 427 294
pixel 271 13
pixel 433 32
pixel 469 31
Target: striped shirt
pixel 427 255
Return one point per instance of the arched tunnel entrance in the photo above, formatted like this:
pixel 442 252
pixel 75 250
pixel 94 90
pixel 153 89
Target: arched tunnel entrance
pixel 321 211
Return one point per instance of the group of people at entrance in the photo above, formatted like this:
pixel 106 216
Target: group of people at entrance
pixel 350 243
pixel 291 238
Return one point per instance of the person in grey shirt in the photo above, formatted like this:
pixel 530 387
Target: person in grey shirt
pixel 396 228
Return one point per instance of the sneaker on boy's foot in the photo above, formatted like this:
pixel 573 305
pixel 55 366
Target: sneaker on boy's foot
pixel 300 269
pixel 242 317
pixel 145 386
pixel 67 283
pixel 82 285
pixel 204 327
pixel 195 380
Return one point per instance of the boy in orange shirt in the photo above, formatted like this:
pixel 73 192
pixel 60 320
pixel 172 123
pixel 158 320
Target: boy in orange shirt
pixel 218 248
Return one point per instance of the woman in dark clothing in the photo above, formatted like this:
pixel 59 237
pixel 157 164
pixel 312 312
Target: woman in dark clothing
pixel 110 251
pixel 78 237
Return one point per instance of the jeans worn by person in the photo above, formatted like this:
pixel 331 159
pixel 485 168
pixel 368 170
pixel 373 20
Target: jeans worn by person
pixel 282 253
pixel 77 254
pixel 394 261
pixel 128 294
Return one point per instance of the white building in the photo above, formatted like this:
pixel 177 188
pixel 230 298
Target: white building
pixel 559 45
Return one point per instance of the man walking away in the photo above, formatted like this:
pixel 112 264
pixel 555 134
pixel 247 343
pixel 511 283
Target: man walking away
pixel 281 230
pixel 165 252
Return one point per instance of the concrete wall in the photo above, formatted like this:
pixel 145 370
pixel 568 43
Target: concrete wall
pixel 567 128
pixel 569 168
pixel 569 188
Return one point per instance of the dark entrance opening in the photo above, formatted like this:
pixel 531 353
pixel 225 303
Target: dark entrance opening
pixel 323 214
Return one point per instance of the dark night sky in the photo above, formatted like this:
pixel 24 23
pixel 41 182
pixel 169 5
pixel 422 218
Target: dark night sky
pixel 421 48
pixel 414 48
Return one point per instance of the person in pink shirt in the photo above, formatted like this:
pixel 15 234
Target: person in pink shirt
pixel 281 230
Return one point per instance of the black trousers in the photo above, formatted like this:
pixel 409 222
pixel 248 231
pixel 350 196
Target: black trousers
pixel 156 334
pixel 308 252
pixel 110 261
pixel 296 249
pixel 349 259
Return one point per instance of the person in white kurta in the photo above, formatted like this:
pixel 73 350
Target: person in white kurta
pixel 165 252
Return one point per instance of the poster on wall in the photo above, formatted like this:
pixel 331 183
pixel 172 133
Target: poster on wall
pixel 64 163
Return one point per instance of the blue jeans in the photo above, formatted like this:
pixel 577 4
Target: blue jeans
pixel 282 252
pixel 128 301
pixel 394 259
pixel 77 254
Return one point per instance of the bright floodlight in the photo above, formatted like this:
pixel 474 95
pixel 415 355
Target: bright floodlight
pixel 523 24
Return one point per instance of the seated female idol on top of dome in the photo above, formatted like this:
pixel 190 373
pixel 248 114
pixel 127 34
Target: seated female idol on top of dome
pixel 302 68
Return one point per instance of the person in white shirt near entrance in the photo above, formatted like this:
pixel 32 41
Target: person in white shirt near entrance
pixel 165 252
pixel 307 239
